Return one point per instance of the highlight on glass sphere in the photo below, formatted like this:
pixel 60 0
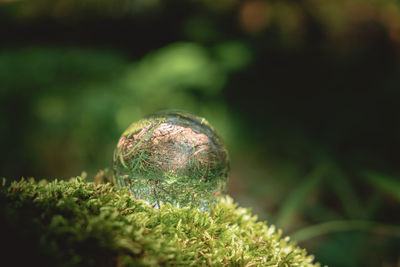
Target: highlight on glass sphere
pixel 172 157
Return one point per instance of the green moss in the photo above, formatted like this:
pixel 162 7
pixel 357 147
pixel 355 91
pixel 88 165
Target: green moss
pixel 79 223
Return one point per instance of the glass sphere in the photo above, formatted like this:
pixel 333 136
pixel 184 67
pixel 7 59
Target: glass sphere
pixel 172 157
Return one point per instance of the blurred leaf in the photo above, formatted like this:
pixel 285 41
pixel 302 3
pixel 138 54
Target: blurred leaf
pixel 234 55
pixel 51 108
pixel 388 184
pixel 339 226
pixel 200 29
pixel 297 198
pixel 178 66
pixel 347 196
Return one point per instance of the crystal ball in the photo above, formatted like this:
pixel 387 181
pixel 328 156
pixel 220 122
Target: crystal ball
pixel 172 157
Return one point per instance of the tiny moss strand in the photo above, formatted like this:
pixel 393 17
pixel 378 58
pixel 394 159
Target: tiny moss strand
pixel 144 138
pixel 121 158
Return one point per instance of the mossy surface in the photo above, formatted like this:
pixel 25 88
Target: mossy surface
pixel 79 223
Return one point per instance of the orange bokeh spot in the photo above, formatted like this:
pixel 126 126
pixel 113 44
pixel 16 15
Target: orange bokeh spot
pixel 254 16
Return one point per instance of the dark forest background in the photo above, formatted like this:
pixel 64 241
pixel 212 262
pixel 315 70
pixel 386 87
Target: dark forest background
pixel 305 94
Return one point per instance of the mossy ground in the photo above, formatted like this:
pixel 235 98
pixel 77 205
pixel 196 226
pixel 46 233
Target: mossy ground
pixel 80 223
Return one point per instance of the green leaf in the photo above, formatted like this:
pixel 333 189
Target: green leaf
pixel 340 226
pixel 387 183
pixel 297 198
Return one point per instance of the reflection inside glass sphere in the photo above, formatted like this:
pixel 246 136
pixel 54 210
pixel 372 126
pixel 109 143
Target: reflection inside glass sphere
pixel 172 157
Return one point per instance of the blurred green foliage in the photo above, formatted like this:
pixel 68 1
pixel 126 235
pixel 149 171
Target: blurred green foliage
pixel 305 94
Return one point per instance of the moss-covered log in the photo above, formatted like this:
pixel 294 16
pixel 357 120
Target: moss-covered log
pixel 79 223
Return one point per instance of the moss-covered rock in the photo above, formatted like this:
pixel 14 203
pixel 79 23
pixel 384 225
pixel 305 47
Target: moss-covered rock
pixel 79 223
